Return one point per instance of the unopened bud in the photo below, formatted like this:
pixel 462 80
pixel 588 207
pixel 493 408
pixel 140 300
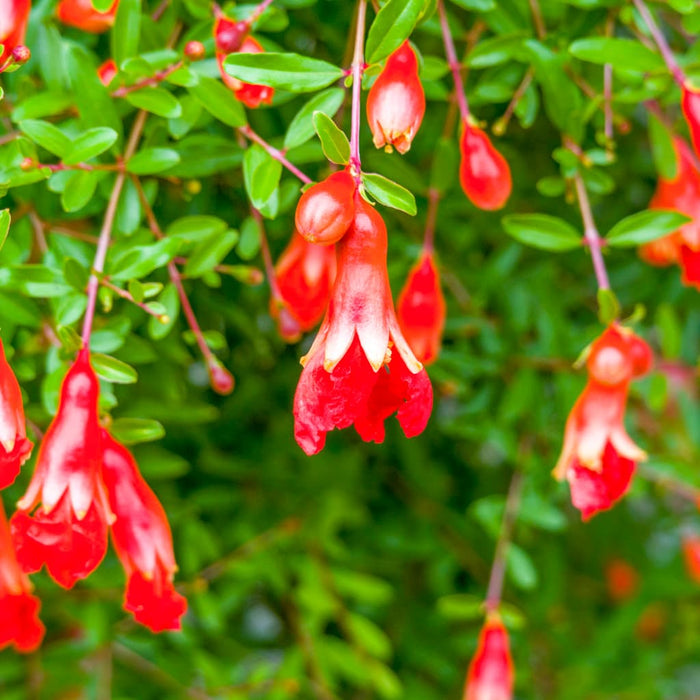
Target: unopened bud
pixel 229 35
pixel 222 381
pixel 21 54
pixel 194 50
pixel 26 164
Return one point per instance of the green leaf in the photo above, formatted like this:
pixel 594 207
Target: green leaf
pixel 156 100
pixel 389 193
pixel 391 27
pixel 476 5
pixel 542 231
pixel 461 606
pixel 521 570
pixel 139 261
pixel 626 54
pixel 126 33
pixel 152 160
pixel 444 167
pixel 5 219
pixel 334 142
pixel 113 370
pixel 301 128
pixel 219 101
pixel 192 229
pixel 288 71
pixel 261 175
pixel 132 431
pixel 608 306
pixel 69 338
pixel 495 50
pixel 210 253
pixel 47 136
pixel 662 148
pixel 645 226
pixel 91 144
pixel 79 190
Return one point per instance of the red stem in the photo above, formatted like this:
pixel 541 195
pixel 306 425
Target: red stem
pixel 152 80
pixel 125 295
pixel 275 153
pixel 430 219
pixel 453 62
pixel 358 67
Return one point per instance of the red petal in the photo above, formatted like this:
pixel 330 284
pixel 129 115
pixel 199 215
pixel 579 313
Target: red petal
pixel 10 462
pixel 154 602
pixel 19 622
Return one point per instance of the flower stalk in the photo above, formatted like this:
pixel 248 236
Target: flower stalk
pixel 358 67
pixel 453 62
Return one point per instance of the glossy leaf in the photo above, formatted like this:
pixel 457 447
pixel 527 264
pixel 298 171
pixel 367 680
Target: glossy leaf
pixel 334 142
pixel 542 231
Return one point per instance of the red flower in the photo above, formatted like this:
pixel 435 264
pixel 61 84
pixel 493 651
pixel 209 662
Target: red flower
pixel 483 172
pixel 491 673
pixel 681 194
pixel 421 310
pixel 396 101
pixel 14 15
pixel 360 369
pixel 14 446
pixel 690 104
pixel 326 210
pixel 598 457
pixel 19 609
pixel 68 532
pixel 107 71
pixel 142 540
pixel 81 14
pixel 691 554
pixel 305 275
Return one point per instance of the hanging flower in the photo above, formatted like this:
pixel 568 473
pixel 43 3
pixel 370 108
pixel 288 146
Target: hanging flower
pixel 491 673
pixel 360 369
pixel 15 448
pixel 396 101
pixel 19 609
pixel 421 309
pixel 14 15
pixel 681 194
pixel 305 274
pixel 599 457
pixel 82 15
pixel 68 531
pixel 143 542
pixel 483 172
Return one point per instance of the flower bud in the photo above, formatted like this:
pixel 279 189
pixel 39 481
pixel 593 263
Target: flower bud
pixel 21 54
pixel 194 50
pixel 483 172
pixel 229 35
pixel 13 25
pixel 491 672
pixel 222 381
pixel 326 210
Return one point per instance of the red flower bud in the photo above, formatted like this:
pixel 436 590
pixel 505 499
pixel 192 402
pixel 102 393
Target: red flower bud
pixel 491 673
pixel 15 449
pixel 21 54
pixel 194 50
pixel 421 310
pixel 222 381
pixel 107 71
pixel 326 210
pixel 82 15
pixel 396 101
pixel 229 35
pixel 14 15
pixel 690 104
pixel 483 172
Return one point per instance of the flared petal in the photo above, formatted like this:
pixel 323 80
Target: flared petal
pixel 154 602
pixel 19 622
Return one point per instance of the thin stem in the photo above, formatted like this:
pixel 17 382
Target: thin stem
pixel 682 489
pixel 500 126
pixel 258 11
pixel 590 233
pixel 498 569
pixel 455 65
pixel 430 219
pixel 152 80
pixel 275 153
pixel 661 43
pixel 267 257
pixel 125 295
pixel 358 65
pixel 537 18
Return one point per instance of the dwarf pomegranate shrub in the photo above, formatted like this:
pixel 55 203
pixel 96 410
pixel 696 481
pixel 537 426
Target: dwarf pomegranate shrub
pixel 237 241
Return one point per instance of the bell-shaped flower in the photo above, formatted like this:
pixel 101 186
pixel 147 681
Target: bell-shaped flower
pixel 483 172
pixel 305 274
pixel 143 542
pixel 14 15
pixel 396 101
pixel 598 457
pixel 491 673
pixel 68 530
pixel 421 309
pixel 19 609
pixel 82 15
pixel 360 369
pixel 15 448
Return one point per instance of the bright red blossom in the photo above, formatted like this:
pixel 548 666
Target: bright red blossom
pixel 483 172
pixel 491 673
pixel 396 101
pixel 598 456
pixel 143 542
pixel 82 15
pixel 14 15
pixel 19 609
pixel 360 369
pixel 15 448
pixel 690 104
pixel 421 310
pixel 68 531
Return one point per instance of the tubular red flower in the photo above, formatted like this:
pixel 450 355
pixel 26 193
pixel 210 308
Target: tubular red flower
pixel 19 609
pixel 598 457
pixel 396 101
pixel 68 532
pixel 107 71
pixel 690 104
pixel 143 541
pixel 483 172
pixel 15 448
pixel 326 210
pixel 360 369
pixel 305 275
pixel 421 310
pixel 491 673
pixel 14 15
pixel 82 15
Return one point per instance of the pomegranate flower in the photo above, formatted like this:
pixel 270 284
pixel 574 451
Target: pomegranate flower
pixel 491 673
pixel 305 275
pixel 598 457
pixel 483 172
pixel 19 609
pixel 396 101
pixel 68 532
pixel 690 104
pixel 421 310
pixel 143 542
pixel 15 448
pixel 82 15
pixel 14 15
pixel 360 369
